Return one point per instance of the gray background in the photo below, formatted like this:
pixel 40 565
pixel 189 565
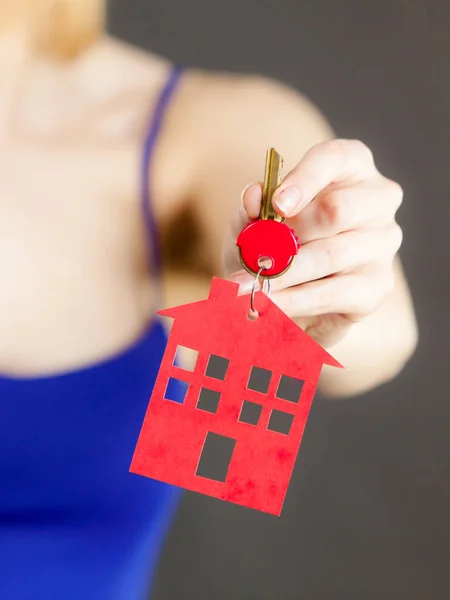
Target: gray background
pixel 367 513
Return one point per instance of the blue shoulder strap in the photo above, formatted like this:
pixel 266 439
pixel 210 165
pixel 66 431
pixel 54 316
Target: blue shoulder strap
pixel 151 137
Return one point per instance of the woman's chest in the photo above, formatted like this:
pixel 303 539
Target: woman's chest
pixel 72 250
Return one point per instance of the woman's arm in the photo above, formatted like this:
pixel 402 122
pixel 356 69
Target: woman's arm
pixel 376 349
pixel 241 118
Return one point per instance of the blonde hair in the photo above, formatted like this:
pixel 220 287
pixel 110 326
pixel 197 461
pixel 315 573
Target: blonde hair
pixel 67 27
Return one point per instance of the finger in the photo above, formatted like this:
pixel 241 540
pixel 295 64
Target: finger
pixel 330 256
pixel 355 295
pixel 350 208
pixel 343 162
pixel 246 211
pixel 251 199
pixel 342 253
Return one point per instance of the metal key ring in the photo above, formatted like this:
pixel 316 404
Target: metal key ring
pixel 252 297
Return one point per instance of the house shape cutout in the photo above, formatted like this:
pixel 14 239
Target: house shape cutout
pixel 256 401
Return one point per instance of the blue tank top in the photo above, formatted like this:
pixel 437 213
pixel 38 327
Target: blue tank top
pixel 74 523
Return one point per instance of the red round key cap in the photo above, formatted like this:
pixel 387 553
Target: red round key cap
pixel 267 238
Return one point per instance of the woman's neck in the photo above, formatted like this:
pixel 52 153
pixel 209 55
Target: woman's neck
pixel 61 29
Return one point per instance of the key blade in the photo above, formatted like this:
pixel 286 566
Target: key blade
pixel 272 176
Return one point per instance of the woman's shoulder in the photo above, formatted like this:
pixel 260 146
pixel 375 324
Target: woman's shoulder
pixel 226 113
pixel 214 118
pixel 209 104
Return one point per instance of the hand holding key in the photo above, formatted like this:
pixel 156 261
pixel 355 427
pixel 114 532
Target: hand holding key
pixel 342 211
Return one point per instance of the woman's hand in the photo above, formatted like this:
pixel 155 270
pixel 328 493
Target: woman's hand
pixel 343 212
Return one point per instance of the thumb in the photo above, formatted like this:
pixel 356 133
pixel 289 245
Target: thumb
pixel 288 200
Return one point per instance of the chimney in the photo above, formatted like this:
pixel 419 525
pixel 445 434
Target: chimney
pixel 220 288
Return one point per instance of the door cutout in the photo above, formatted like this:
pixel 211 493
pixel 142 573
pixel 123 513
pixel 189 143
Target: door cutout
pixel 216 457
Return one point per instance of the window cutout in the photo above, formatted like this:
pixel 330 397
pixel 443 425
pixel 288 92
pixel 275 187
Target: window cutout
pixel 259 380
pixel 289 388
pixel 216 457
pixel 217 367
pixel 280 422
pixel 208 400
pixel 186 358
pixel 176 390
pixel 250 413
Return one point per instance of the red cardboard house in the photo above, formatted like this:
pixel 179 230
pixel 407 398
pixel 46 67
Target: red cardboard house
pixel 248 396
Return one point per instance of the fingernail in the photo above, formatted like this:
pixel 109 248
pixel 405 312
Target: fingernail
pixel 288 199
pixel 244 279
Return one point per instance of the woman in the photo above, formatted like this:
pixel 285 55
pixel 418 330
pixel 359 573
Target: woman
pixel 80 269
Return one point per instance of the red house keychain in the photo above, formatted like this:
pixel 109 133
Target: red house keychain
pixel 249 394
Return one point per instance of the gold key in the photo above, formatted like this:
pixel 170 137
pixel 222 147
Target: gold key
pixel 267 246
pixel 272 178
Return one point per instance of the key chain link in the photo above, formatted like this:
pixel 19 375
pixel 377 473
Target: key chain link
pixel 252 297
